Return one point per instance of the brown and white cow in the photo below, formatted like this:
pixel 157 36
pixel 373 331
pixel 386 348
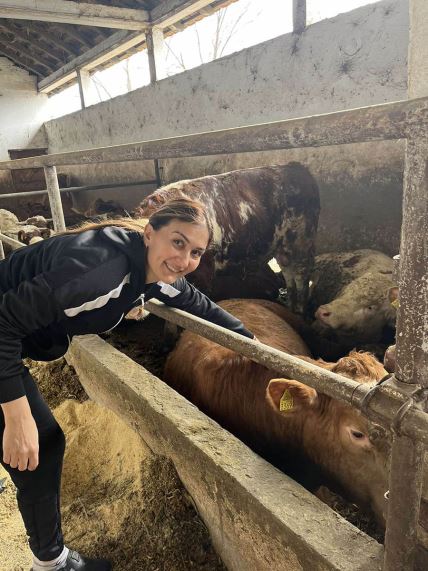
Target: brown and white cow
pixel 354 295
pixel 256 214
pixel 315 430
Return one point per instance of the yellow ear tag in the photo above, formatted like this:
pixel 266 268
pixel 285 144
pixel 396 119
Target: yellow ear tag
pixel 395 303
pixel 286 402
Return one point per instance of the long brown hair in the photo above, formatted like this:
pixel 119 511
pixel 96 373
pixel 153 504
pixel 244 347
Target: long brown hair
pixel 183 209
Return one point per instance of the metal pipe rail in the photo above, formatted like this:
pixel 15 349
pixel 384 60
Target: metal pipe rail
pixel 14 244
pixel 384 410
pixel 375 123
pixel 79 188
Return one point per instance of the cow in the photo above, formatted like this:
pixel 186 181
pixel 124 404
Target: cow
pixel 314 430
pixel 354 295
pixel 28 231
pixel 256 214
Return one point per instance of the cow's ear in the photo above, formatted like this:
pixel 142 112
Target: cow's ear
pixel 290 396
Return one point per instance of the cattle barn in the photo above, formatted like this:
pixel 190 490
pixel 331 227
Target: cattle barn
pixel 308 147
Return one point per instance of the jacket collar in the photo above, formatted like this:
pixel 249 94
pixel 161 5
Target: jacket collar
pixel 132 245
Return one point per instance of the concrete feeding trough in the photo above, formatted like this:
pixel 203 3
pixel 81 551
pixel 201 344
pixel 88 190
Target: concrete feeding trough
pixel 258 517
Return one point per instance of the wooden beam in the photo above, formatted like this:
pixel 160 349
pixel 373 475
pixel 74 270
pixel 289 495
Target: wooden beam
pixel 169 12
pixel 24 55
pixel 35 44
pixel 375 123
pixel 19 63
pixel 13 57
pixel 68 12
pixel 48 34
pixel 107 49
pixel 163 16
pixel 30 54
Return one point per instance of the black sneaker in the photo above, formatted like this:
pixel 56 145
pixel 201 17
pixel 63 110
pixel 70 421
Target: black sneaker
pixel 76 562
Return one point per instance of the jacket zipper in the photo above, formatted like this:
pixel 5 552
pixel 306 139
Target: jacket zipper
pixel 111 328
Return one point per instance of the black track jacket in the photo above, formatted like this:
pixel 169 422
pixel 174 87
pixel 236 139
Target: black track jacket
pixel 75 284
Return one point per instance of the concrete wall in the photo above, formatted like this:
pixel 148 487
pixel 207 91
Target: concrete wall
pixel 22 112
pixel 356 59
pixel 418 49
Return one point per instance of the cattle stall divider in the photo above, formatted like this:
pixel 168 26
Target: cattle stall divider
pixel 399 404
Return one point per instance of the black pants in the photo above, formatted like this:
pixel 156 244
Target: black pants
pixel 38 491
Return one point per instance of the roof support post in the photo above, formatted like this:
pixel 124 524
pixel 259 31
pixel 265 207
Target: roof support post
pixel 299 16
pixel 85 87
pixel 156 53
pixel 55 199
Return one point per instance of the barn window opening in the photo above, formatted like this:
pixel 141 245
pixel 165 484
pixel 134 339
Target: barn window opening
pixel 65 102
pixel 233 28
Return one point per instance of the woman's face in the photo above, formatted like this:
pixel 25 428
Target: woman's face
pixel 174 250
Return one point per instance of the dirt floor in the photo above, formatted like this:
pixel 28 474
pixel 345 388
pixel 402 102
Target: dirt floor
pixel 119 500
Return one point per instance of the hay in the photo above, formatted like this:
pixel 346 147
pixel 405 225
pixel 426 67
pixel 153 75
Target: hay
pixel 119 500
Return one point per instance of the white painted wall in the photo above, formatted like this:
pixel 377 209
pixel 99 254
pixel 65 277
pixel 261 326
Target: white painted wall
pixel 22 109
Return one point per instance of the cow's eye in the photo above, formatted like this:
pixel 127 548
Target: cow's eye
pixel 357 434
pixel 370 307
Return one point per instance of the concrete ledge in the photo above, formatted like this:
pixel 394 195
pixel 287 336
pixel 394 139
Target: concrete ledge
pixel 259 519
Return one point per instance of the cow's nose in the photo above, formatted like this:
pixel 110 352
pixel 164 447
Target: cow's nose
pixel 322 313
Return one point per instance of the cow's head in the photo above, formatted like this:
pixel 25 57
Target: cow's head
pixel 351 449
pixel 361 310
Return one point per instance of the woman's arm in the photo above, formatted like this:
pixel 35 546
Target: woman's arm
pixel 193 301
pixel 20 437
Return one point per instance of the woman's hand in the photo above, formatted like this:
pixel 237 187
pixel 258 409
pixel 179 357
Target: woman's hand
pixel 21 437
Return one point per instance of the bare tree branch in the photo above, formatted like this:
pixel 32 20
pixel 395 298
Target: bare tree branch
pixel 199 45
pixel 232 30
pixel 128 75
pixel 99 84
pixel 179 59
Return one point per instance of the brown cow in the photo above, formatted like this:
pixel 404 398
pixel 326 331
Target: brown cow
pixel 256 214
pixel 244 397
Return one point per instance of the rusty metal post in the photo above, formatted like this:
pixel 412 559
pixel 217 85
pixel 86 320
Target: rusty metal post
pixel 407 458
pixel 299 16
pixel 54 198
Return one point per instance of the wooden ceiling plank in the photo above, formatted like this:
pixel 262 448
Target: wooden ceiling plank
pixel 71 12
pixel 25 55
pixel 80 37
pixel 14 59
pixel 170 12
pixel 117 43
pixel 34 43
pixel 47 34
pixel 168 15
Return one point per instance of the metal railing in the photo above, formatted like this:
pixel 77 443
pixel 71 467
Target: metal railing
pixel 395 403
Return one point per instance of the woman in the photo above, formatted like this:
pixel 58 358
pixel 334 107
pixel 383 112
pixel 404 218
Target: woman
pixel 83 281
